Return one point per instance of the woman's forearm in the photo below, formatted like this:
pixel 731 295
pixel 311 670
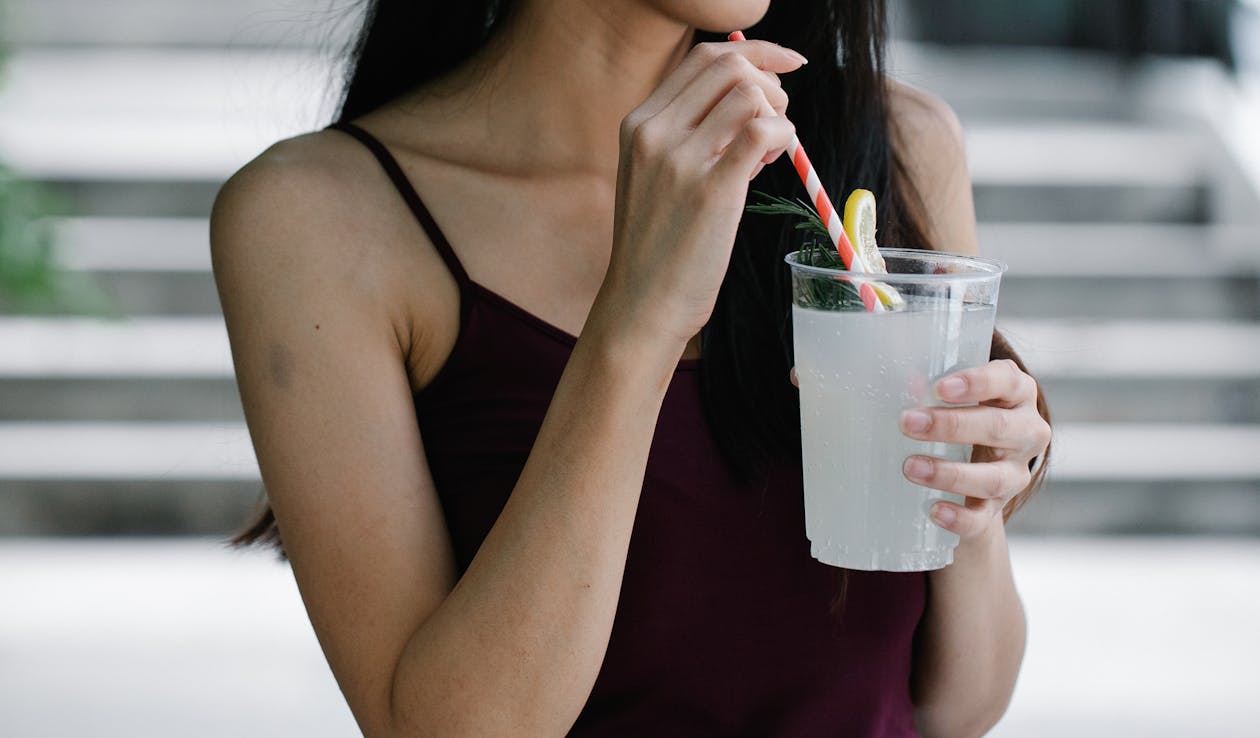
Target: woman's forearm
pixel 517 645
pixel 971 642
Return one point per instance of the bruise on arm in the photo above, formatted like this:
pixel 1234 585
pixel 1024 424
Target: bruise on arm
pixel 280 365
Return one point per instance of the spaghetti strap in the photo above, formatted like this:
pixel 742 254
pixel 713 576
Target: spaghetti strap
pixel 411 197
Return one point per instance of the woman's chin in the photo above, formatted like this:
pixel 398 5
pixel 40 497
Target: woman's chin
pixel 717 16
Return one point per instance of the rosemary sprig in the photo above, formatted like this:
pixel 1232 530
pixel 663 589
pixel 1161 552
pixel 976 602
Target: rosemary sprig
pixel 775 205
pixel 817 250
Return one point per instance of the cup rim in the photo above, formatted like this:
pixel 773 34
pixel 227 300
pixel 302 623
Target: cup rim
pixel 988 268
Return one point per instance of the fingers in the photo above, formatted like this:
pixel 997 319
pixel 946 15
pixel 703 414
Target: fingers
pixel 993 480
pixel 1002 428
pixel 792 377
pixel 1000 382
pixel 967 521
pixel 763 55
pixel 744 102
pixel 712 86
pixel 759 141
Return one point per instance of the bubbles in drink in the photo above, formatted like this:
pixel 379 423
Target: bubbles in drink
pixel 860 511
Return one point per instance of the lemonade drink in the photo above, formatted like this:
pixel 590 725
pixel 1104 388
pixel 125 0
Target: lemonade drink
pixel 857 371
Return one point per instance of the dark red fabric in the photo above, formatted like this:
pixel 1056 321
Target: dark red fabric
pixel 723 627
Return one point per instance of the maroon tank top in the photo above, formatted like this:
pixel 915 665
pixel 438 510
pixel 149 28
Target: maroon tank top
pixel 723 627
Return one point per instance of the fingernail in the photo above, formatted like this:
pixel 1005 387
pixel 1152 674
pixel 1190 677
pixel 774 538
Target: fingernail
pixel 915 421
pixel 943 514
pixel 951 387
pixel 917 468
pixel 796 55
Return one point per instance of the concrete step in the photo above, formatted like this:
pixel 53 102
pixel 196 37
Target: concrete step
pixel 198 347
pixel 149 115
pixel 128 398
pixel 180 369
pixel 81 507
pixel 1123 250
pixel 145 114
pixel 1143 452
pixel 156 638
pixel 1137 349
pixel 215 399
pixel 1024 296
pixel 1100 202
pixel 1151 399
pixel 126 507
pixel 1034 249
pixel 268 23
pixel 142 244
pixel 1107 297
pixel 145 348
pixel 1112 270
pixel 1127 270
pixel 152 638
pixel 165 478
pixel 1142 507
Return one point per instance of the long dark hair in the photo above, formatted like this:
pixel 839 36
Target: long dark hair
pixel 841 114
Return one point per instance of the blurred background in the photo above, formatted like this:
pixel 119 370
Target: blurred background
pixel 1115 151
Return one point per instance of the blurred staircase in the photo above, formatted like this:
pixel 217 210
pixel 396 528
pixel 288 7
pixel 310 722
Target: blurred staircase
pixel 1124 200
pixel 1129 226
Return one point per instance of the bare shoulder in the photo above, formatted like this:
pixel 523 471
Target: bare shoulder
pixel 314 221
pixel 923 123
pixel 291 208
pixel 928 140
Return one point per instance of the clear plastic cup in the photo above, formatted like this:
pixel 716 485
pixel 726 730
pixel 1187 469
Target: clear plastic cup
pixel 857 371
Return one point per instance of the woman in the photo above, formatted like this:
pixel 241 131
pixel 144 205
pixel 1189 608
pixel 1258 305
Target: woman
pixel 537 469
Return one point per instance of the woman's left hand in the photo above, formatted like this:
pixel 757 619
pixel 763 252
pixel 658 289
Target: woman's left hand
pixel 1005 430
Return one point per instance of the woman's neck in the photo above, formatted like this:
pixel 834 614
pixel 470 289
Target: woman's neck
pixel 550 90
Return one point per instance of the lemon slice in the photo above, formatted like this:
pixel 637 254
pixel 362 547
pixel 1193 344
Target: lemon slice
pixel 888 295
pixel 859 225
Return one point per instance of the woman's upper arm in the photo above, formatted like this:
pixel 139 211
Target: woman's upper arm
pixel 323 382
pixel 928 140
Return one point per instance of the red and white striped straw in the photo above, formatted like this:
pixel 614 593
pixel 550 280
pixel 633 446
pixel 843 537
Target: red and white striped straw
pixel 827 212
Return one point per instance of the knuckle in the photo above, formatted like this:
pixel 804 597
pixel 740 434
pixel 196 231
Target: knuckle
pixel 749 92
pixel 632 120
pixel 673 168
pixel 756 133
pixel 1027 385
pixel 1043 433
pixel 732 63
pixel 629 125
pixel 708 50
pixel 945 423
pixel 644 138
pixel 1023 478
pixel 1012 370
pixel 999 426
pixel 761 132
pixel 996 484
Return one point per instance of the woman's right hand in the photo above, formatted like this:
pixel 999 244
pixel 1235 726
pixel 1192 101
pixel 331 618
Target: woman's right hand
pixel 687 155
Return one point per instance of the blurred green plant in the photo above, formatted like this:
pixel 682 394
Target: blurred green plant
pixel 28 272
pixel 30 277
